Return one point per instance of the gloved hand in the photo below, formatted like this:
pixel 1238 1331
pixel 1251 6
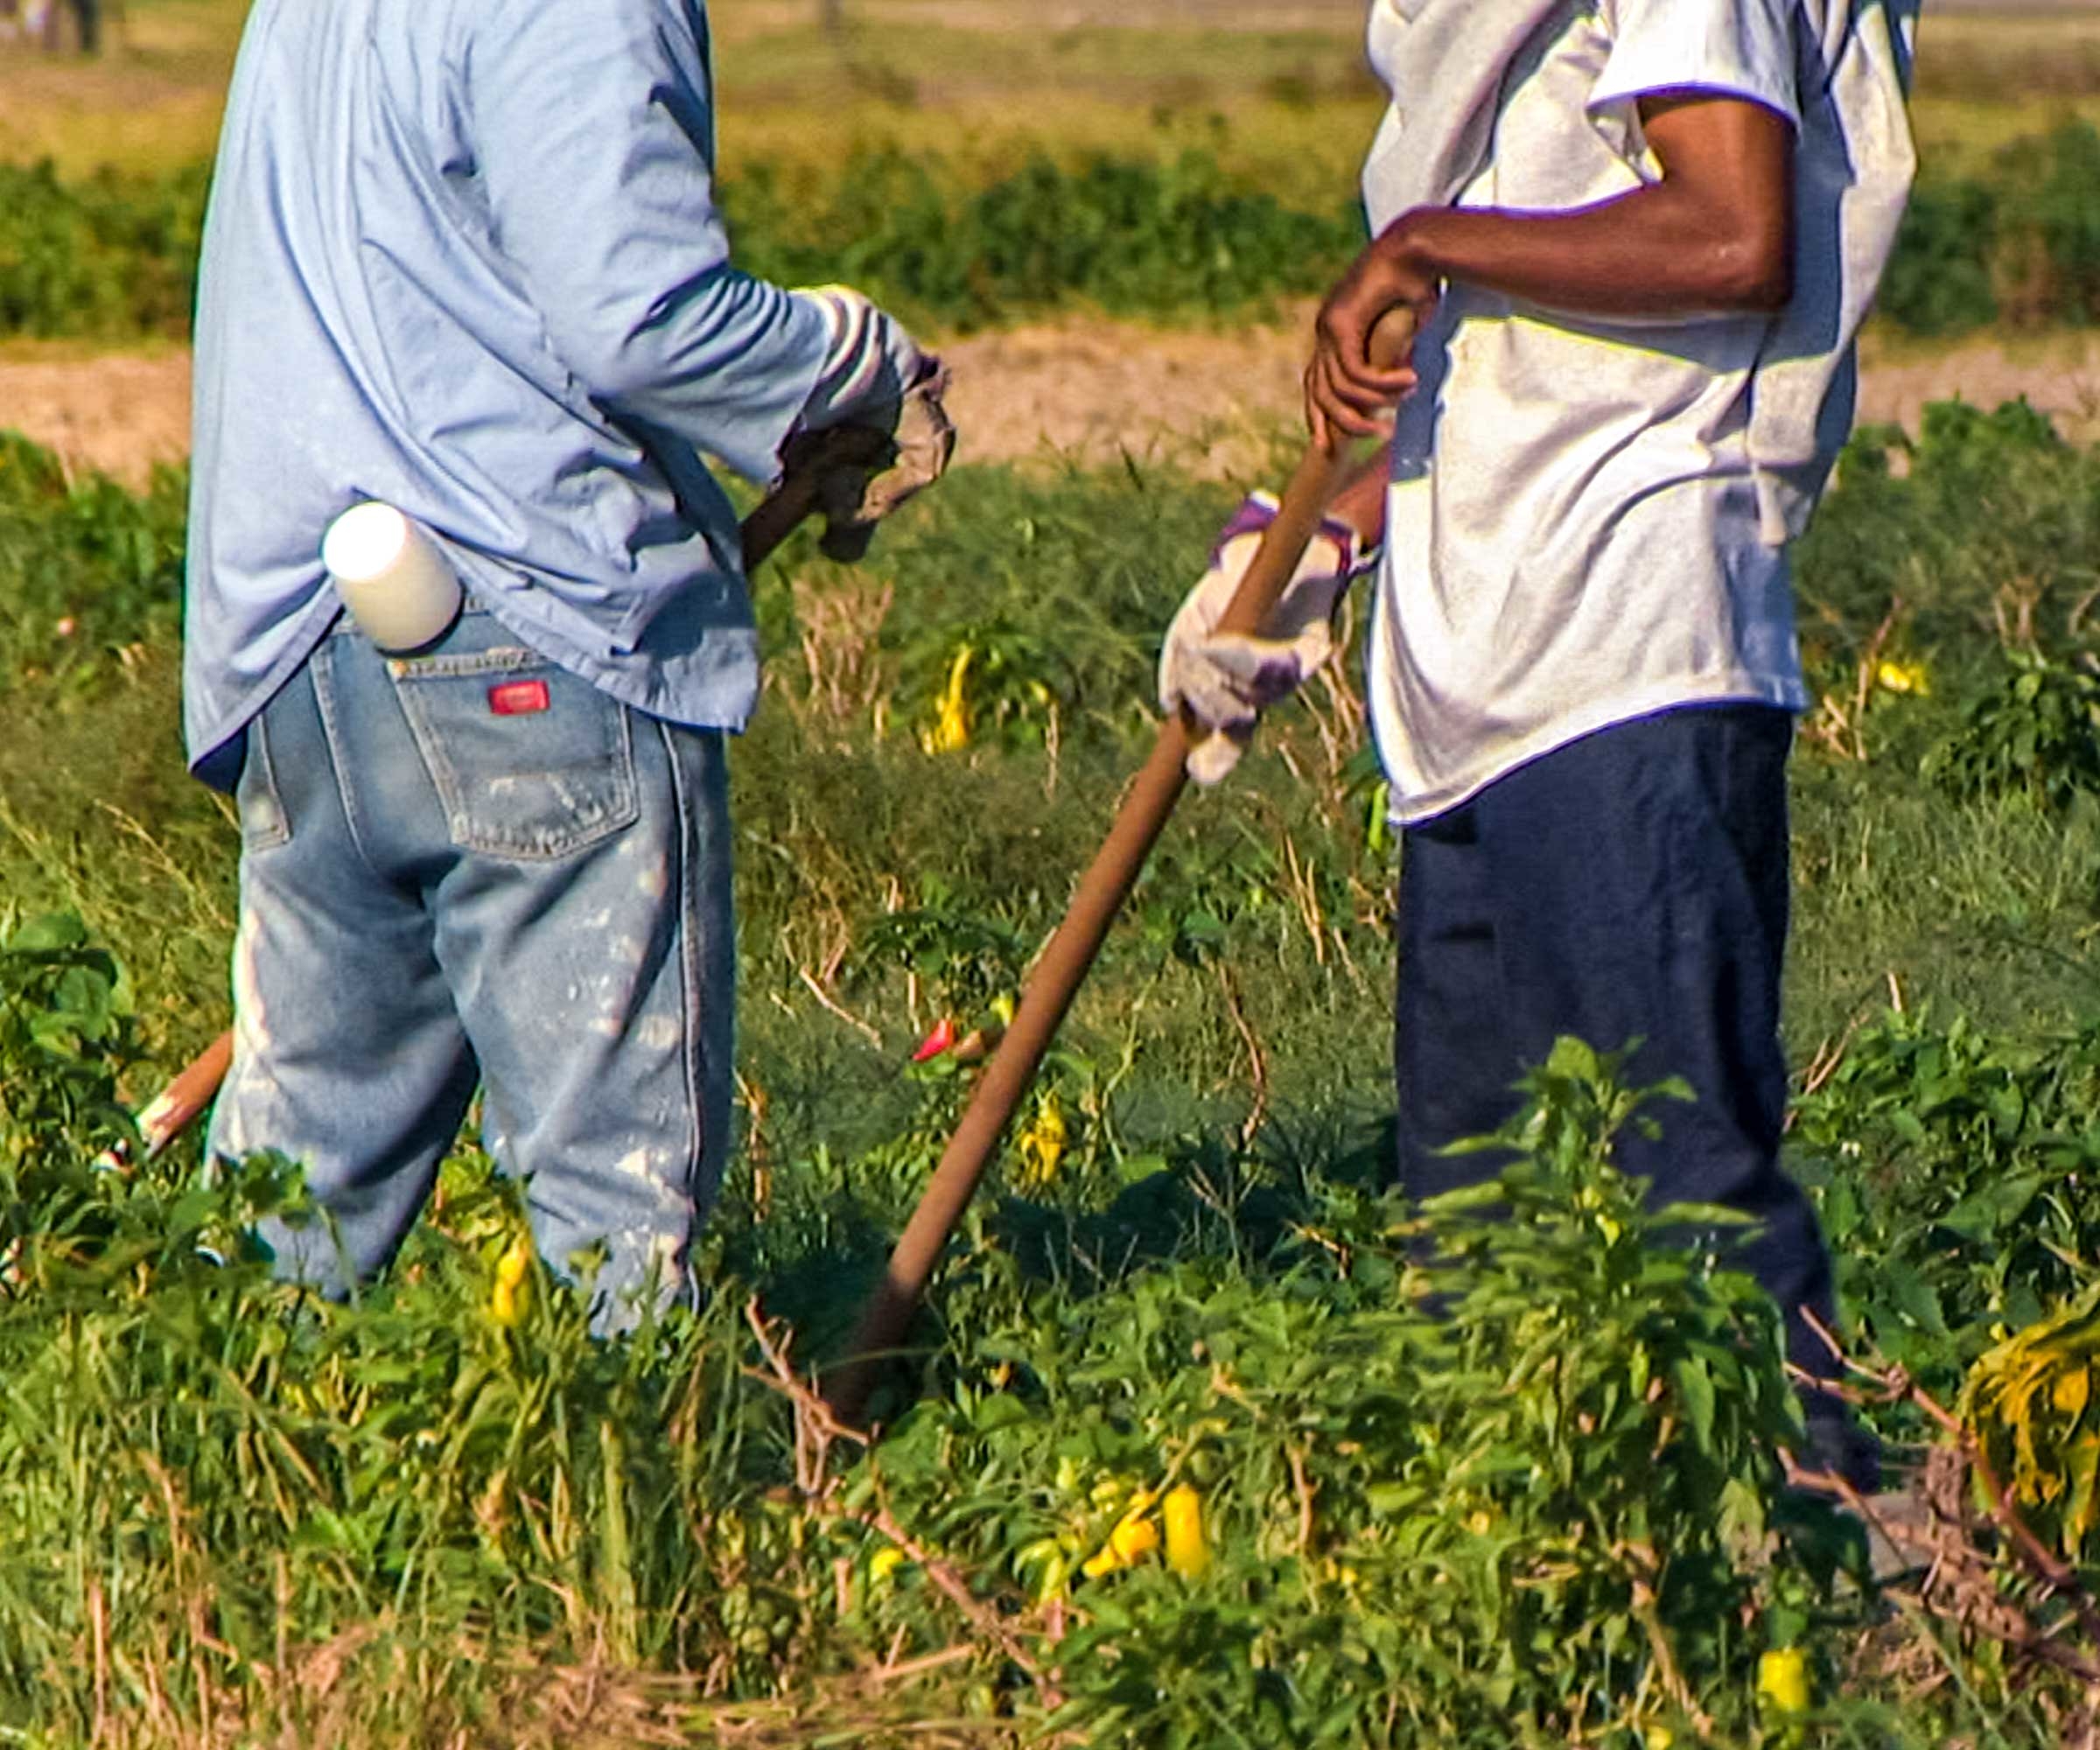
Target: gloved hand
pixel 1225 679
pixel 876 377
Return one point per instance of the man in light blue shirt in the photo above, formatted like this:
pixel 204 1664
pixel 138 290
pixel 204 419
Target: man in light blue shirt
pixel 463 258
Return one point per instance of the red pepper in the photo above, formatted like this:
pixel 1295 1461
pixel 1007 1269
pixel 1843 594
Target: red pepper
pixel 937 1041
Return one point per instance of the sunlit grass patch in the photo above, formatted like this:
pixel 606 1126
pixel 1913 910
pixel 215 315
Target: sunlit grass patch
pixel 391 1515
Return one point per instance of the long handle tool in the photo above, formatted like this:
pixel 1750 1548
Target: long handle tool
pixel 1065 961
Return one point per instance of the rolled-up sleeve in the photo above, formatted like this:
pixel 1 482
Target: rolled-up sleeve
pixel 592 129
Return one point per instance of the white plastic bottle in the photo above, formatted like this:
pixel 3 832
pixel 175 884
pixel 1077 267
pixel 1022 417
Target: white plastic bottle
pixel 392 576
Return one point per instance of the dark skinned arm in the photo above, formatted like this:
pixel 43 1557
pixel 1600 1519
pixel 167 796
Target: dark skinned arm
pixel 1360 503
pixel 1713 235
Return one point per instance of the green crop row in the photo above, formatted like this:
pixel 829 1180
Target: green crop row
pixel 115 258
pixel 1549 1509
pixel 2019 247
pixel 108 258
pixel 1542 1510
pixel 1132 236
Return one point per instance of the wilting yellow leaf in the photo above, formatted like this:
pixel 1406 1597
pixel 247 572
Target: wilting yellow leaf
pixel 2028 1401
pixel 2082 1510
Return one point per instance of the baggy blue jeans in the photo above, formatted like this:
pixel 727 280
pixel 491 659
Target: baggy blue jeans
pixel 470 867
pixel 1629 886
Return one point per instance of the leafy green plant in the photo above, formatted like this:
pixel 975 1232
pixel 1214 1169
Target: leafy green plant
pixel 967 958
pixel 206 1474
pixel 1973 537
pixel 1485 1469
pixel 66 1036
pixel 2050 207
pixel 1938 282
pixel 111 256
pixel 1131 235
pixel 1961 1199
pixel 2036 734
pixel 88 570
pixel 990 682
pixel 114 257
pixel 446 1510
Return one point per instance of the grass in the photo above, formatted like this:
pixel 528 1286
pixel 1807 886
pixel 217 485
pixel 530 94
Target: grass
pixel 385 1513
pixel 1983 908
pixel 233 1516
pixel 388 1514
pixel 1976 906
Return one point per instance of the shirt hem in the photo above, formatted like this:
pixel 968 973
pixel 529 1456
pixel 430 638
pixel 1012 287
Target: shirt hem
pixel 209 763
pixel 1418 810
pixel 639 686
pixel 213 763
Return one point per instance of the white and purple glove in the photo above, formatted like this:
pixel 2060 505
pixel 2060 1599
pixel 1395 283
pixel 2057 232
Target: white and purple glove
pixel 1224 681
pixel 877 376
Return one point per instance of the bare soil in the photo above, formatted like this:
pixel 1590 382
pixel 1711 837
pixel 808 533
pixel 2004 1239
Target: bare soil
pixel 1078 391
pixel 116 413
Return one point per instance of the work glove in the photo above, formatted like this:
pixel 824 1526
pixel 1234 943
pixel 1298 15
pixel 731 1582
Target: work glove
pixel 875 378
pixel 1224 681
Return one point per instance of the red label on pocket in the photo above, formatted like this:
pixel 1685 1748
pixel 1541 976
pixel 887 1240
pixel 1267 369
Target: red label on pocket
pixel 515 698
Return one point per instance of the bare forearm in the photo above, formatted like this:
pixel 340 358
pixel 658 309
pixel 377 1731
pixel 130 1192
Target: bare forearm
pixel 1712 235
pixel 1652 252
pixel 1360 503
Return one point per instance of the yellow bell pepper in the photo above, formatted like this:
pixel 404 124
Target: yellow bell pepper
pixel 950 732
pixel 1783 1680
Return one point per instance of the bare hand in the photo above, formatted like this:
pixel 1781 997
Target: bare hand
pixel 1347 396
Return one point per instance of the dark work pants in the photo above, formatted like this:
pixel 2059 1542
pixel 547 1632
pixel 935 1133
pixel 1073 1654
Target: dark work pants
pixel 1629 885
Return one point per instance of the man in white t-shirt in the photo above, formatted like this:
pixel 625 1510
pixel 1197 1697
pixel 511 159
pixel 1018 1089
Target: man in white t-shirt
pixel 1638 237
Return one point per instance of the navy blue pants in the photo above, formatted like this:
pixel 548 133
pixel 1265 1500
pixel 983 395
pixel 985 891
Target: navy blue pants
pixel 1631 884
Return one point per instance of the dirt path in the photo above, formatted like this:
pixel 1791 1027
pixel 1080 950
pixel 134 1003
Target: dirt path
pixel 1080 391
pixel 118 412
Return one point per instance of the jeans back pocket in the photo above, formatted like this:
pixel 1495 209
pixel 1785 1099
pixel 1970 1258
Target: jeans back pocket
pixel 528 760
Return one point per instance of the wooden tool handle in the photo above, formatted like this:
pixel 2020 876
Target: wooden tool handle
pixel 1056 977
pixel 809 459
pixel 175 1108
pixel 178 1105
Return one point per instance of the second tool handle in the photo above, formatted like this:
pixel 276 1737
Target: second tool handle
pixel 1069 953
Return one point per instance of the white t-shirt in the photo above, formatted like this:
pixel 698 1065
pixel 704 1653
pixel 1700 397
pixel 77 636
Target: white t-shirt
pixel 1573 530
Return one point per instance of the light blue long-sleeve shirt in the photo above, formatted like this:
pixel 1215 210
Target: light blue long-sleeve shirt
pixel 463 257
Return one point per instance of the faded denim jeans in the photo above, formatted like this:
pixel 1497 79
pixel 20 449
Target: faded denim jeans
pixel 471 867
